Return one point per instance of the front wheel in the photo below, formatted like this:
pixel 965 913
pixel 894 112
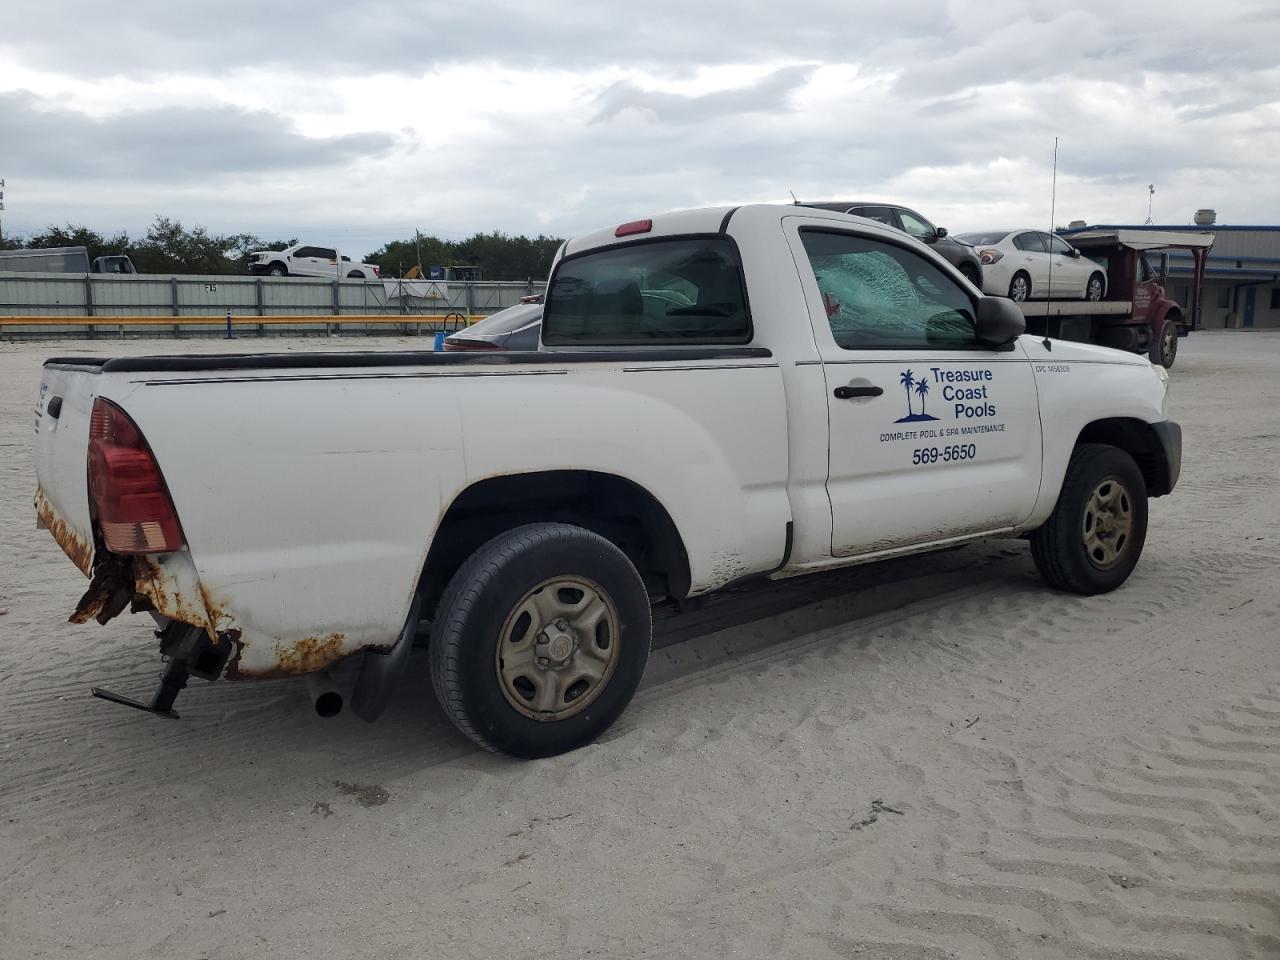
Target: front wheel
pixel 276 270
pixel 970 273
pixel 1020 287
pixel 540 641
pixel 1164 348
pixel 1094 537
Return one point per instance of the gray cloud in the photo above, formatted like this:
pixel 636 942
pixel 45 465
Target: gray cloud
pixel 768 94
pixel 171 143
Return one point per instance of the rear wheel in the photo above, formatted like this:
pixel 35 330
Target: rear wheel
pixel 1164 348
pixel 1020 287
pixel 540 640
pixel 1093 290
pixel 1094 537
pixel 355 275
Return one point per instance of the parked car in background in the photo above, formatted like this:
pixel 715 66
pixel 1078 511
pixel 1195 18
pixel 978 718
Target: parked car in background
pixel 515 328
pixel 1032 264
pixel 960 255
pixel 304 260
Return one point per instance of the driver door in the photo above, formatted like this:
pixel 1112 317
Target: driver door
pixel 931 434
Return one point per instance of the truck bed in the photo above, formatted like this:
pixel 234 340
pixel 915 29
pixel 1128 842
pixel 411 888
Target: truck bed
pixel 1076 308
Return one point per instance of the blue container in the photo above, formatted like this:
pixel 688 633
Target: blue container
pixel 439 346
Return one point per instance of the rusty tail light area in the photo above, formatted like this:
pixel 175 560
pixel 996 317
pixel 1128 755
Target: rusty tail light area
pixel 133 508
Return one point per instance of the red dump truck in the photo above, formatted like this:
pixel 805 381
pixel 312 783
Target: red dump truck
pixel 1137 314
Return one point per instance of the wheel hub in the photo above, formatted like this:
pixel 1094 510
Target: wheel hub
pixel 555 645
pixel 558 648
pixel 1108 523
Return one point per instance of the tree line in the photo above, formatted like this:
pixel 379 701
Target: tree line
pixel 169 247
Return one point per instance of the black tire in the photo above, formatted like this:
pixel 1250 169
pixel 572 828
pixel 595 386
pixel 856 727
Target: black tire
pixel 355 275
pixel 1164 346
pixel 971 274
pixel 277 270
pixel 1020 287
pixel 1094 288
pixel 1059 548
pixel 476 607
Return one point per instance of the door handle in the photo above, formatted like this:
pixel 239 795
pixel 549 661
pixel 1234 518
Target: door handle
pixel 848 393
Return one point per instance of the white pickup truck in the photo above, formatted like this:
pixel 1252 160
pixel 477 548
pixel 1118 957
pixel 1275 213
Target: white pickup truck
pixel 305 260
pixel 720 394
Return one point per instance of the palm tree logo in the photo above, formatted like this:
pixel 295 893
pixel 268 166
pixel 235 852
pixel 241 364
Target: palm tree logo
pixel 908 380
pixel 922 391
pixel 919 387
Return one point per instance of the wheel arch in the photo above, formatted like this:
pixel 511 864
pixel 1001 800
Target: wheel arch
pixel 618 509
pixel 1138 439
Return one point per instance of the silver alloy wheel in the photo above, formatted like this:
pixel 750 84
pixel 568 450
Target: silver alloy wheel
pixel 558 648
pixel 1108 523
pixel 1018 289
pixel 1094 290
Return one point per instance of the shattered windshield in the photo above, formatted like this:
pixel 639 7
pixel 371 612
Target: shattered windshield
pixel 876 294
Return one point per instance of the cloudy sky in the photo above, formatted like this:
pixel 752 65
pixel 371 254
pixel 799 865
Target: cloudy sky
pixel 357 122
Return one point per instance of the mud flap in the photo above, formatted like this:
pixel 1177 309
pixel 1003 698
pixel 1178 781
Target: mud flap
pixel 380 673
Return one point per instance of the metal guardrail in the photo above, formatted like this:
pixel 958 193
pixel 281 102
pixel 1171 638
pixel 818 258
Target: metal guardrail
pixel 43 304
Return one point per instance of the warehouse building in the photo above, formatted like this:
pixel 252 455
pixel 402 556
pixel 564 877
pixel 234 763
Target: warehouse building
pixel 1242 273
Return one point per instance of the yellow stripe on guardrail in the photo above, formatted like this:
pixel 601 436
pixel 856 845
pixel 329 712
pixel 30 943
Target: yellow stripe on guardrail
pixel 245 320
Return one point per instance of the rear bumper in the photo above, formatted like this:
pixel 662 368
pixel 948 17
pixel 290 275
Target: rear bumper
pixel 1170 436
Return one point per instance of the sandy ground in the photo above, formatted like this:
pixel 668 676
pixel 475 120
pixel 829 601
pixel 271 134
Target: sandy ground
pixel 925 760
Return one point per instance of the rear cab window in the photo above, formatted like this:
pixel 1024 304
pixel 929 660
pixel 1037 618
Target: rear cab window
pixel 669 290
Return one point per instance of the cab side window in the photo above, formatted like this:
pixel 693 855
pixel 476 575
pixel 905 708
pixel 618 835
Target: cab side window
pixel 917 226
pixel 881 296
pixel 1145 273
pixel 1057 245
pixel 1030 242
pixel 306 252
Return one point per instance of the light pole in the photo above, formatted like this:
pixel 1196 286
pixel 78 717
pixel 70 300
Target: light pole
pixel 1 210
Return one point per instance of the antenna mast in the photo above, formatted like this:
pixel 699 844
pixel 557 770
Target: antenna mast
pixel 1053 209
pixel 1151 195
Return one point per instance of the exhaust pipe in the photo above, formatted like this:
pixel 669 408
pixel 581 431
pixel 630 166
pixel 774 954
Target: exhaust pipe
pixel 324 695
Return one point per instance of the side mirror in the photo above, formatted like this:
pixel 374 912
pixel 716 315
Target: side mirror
pixel 1075 253
pixel 1000 321
pixel 939 232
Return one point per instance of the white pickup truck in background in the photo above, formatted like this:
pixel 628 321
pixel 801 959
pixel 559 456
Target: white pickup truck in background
pixel 721 394
pixel 306 260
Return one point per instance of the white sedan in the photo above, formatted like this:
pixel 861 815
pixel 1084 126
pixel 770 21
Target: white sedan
pixel 1027 264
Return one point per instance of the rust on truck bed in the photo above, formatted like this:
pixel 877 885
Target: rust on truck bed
pixel 72 544
pixel 294 658
pixel 163 594
pixel 169 586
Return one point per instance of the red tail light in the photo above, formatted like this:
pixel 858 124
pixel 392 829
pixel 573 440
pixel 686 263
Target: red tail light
pixel 470 345
pixel 990 256
pixel 134 510
pixel 377 272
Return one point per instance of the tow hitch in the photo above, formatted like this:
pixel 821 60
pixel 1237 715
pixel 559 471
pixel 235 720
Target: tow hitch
pixel 188 652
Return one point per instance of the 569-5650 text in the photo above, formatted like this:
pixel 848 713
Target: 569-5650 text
pixel 956 451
